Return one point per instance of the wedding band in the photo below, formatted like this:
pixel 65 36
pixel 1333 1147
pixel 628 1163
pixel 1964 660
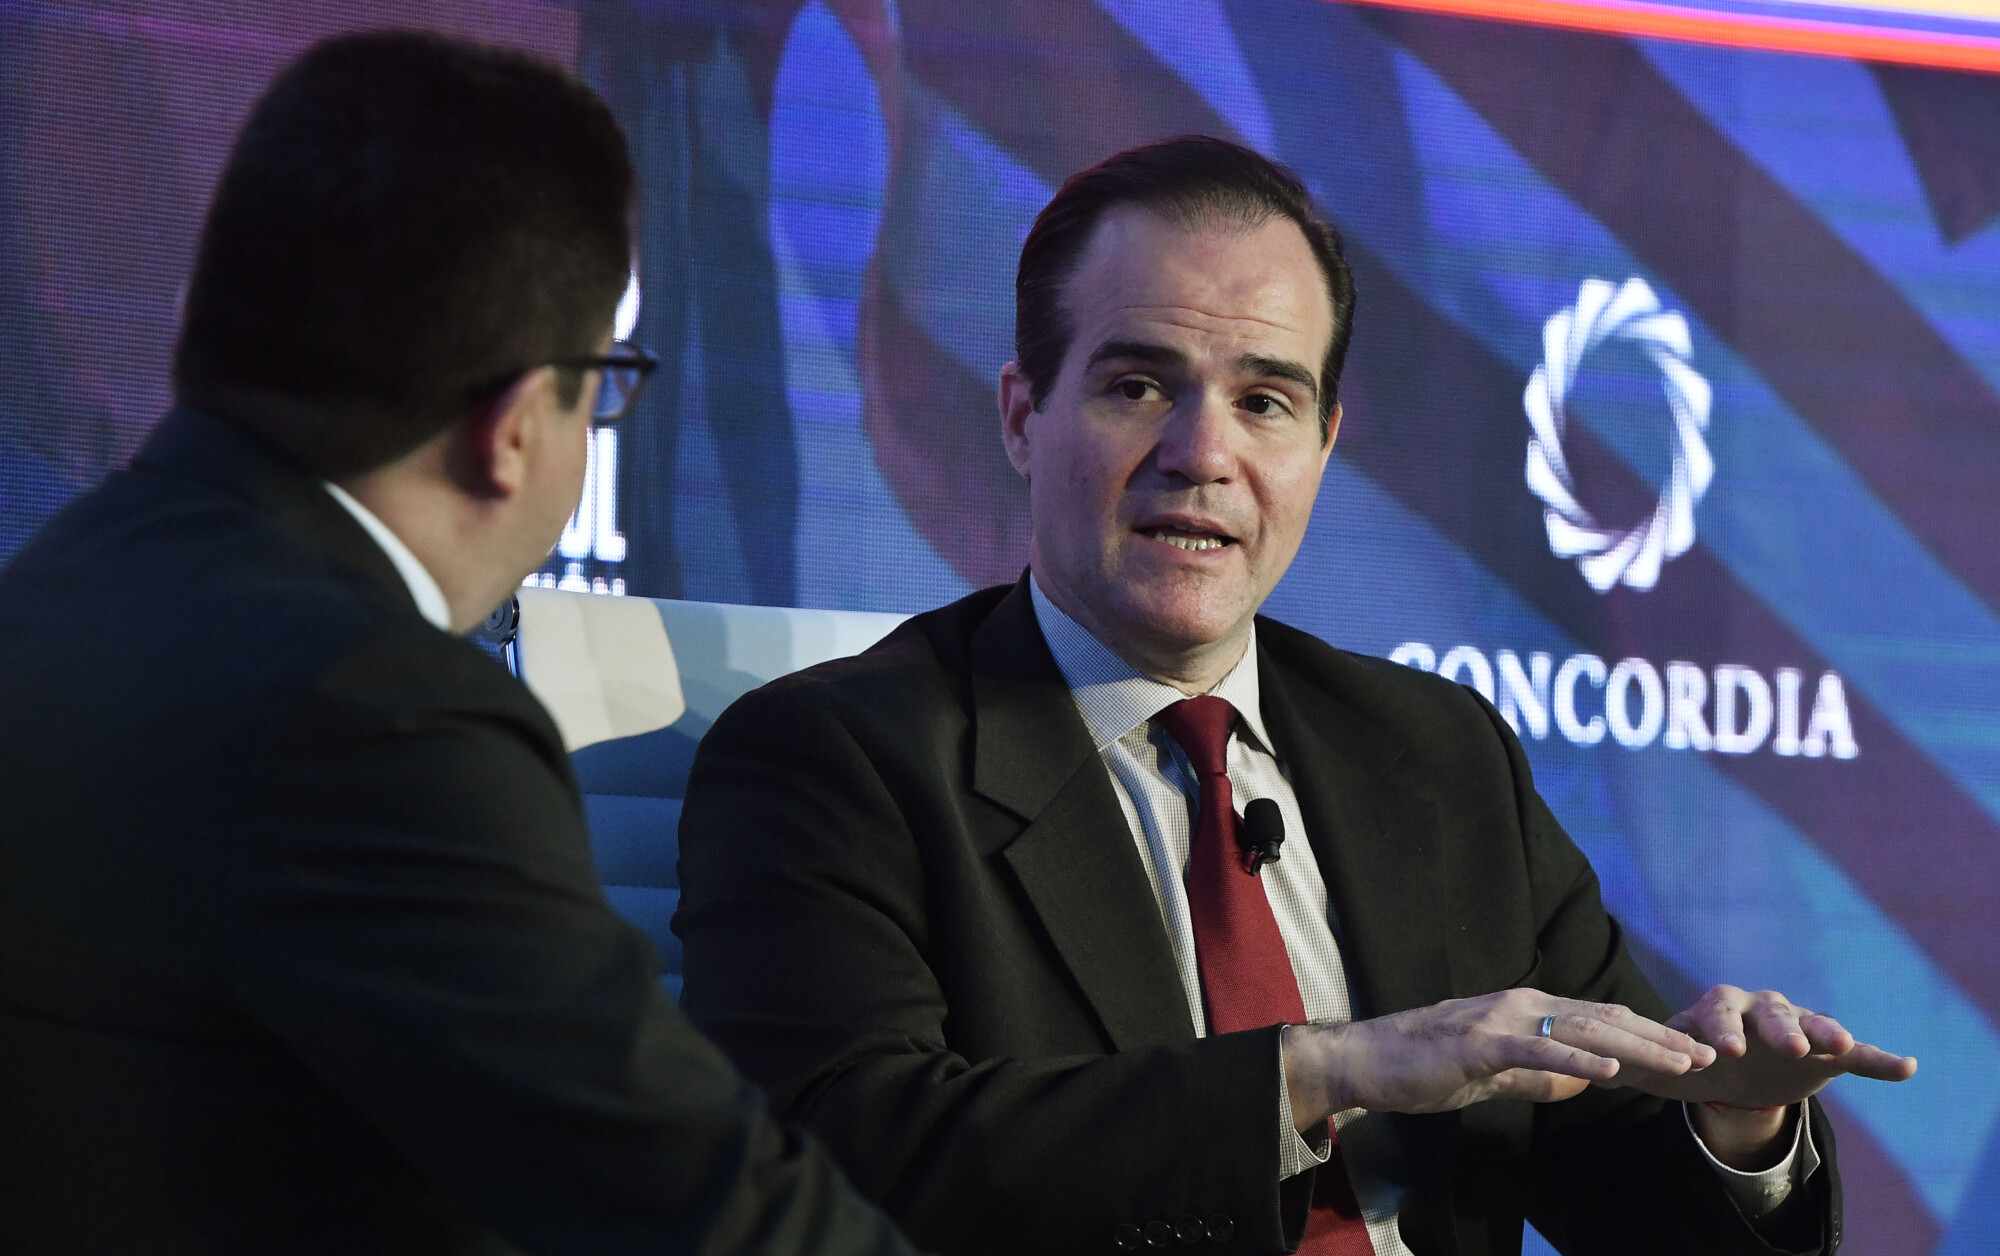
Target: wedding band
pixel 1548 1025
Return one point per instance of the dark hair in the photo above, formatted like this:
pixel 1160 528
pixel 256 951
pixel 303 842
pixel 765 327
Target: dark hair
pixel 1190 180
pixel 406 222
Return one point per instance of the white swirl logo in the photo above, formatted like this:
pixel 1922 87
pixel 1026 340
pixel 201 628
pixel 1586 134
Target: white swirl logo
pixel 1629 312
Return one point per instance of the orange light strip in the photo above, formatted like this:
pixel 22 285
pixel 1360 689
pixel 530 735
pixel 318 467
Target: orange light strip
pixel 1727 30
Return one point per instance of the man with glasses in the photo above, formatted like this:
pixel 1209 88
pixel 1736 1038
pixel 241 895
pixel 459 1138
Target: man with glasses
pixel 301 946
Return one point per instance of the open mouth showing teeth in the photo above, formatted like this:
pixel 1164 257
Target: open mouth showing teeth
pixel 1182 540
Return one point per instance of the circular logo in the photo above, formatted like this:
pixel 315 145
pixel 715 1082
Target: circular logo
pixel 1629 312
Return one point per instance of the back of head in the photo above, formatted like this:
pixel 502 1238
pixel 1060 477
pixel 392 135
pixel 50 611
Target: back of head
pixel 406 222
pixel 1193 181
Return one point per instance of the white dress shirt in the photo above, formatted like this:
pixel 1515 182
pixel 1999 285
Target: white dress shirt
pixel 1159 793
pixel 423 586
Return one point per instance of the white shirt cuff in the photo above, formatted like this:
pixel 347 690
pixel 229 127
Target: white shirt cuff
pixel 1758 1194
pixel 1295 1154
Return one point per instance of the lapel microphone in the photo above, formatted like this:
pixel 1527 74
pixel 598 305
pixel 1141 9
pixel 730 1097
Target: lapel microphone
pixel 1260 834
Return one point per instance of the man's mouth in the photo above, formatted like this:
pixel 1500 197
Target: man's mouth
pixel 1186 539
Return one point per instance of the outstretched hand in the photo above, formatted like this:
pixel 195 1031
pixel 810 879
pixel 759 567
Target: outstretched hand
pixel 1769 1053
pixel 1448 1055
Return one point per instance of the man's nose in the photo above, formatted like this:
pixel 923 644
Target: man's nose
pixel 1196 442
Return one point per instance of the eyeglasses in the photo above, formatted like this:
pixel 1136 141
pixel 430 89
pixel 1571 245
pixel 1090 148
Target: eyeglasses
pixel 624 371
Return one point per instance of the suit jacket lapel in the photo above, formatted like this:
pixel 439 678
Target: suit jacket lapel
pixel 1074 859
pixel 1375 839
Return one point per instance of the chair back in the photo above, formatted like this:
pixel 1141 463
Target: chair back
pixel 633 683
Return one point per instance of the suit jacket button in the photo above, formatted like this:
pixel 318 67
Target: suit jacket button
pixel 1158 1234
pixel 1190 1230
pixel 1220 1228
pixel 1127 1238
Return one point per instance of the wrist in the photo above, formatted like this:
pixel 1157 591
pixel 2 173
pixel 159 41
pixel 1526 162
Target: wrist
pixel 1307 1056
pixel 1747 1139
pixel 1718 1106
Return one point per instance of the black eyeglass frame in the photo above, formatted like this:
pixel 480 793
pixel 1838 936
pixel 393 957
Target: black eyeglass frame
pixel 635 362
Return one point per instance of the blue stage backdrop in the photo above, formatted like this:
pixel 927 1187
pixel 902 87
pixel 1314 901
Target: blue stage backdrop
pixel 1673 413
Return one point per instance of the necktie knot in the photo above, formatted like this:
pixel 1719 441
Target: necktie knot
pixel 1201 727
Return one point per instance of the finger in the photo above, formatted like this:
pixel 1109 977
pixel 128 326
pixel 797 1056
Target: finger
pixel 1628 1022
pixel 1624 1018
pixel 1512 1051
pixel 1864 1060
pixel 1603 1038
pixel 1826 1034
pixel 1776 1023
pixel 1718 1017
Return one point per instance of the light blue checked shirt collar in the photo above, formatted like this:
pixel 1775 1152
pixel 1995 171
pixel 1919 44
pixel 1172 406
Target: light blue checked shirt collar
pixel 1114 698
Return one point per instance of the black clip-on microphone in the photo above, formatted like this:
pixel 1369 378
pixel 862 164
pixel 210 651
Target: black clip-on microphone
pixel 1260 834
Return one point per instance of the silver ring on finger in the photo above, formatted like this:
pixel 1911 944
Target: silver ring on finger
pixel 1548 1026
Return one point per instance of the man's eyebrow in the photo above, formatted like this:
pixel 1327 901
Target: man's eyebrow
pixel 1279 368
pixel 1136 351
pixel 1166 355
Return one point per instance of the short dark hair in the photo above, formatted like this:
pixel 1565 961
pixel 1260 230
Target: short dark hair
pixel 406 222
pixel 1190 180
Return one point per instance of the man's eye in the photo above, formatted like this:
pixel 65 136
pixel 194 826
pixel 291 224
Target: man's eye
pixel 1263 403
pixel 1134 389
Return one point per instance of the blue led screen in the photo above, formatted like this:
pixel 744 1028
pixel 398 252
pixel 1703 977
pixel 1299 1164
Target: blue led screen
pixel 1673 411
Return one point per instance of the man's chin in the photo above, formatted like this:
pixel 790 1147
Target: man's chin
pixel 1186 615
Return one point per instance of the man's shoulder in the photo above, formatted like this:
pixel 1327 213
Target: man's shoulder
pixel 195 670
pixel 368 665
pixel 152 592
pixel 1415 706
pixel 1315 660
pixel 402 662
pixel 922 651
pixel 902 687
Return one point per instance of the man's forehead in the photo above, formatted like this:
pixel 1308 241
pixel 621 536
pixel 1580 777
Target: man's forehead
pixel 1206 279
pixel 1188 322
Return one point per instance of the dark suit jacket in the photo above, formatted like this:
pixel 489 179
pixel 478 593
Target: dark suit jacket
pixel 913 910
pixel 301 948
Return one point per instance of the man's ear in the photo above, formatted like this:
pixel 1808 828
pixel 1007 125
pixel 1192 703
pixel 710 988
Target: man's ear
pixel 493 449
pixel 1017 407
pixel 1332 434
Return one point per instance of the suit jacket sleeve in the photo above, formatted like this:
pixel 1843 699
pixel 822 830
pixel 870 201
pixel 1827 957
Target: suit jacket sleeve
pixel 810 956
pixel 1613 1171
pixel 421 923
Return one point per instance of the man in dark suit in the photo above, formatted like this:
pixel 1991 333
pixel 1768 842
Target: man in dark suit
pixel 994 907
pixel 301 948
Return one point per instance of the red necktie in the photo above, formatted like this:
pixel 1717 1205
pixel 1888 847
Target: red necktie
pixel 1246 976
